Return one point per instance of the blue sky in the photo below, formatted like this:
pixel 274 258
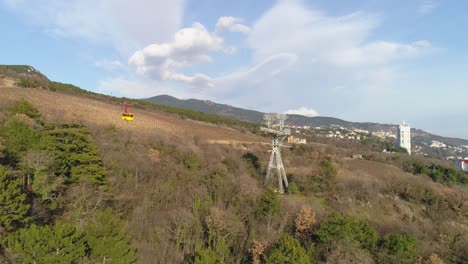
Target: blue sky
pixel 361 60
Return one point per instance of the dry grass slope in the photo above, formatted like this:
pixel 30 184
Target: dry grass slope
pixel 60 106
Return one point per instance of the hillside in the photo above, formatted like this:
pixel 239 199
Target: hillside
pixel 422 140
pixel 87 187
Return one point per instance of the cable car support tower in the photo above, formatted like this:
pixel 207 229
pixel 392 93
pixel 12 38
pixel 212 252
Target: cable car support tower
pixel 275 128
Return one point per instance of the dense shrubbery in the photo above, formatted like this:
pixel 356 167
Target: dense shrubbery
pixel 26 108
pixel 13 204
pixel 287 250
pixel 268 204
pixel 60 243
pixel 397 248
pixel 391 147
pixel 75 156
pixel 106 240
pixel 19 137
pixel 438 173
pixel 66 88
pixel 30 83
pixel 337 227
pixel 338 239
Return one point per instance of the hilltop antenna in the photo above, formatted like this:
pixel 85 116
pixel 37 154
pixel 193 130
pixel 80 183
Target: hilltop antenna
pixel 275 128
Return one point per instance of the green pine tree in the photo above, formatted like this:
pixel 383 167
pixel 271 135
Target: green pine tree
pixel 25 107
pixel 48 188
pixel 337 227
pixel 105 237
pixel 207 256
pixel 18 137
pixel 268 204
pixel 398 248
pixel 61 243
pixel 287 250
pixel 13 206
pixel 76 156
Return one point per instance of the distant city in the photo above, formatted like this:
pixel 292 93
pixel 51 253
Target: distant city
pixel 402 138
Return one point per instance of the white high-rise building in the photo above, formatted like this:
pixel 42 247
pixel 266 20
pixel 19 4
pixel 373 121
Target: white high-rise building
pixel 462 164
pixel 404 137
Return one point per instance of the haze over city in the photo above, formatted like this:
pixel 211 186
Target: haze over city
pixel 366 60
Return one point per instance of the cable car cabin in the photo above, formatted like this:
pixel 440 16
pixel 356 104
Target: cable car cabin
pixel 127 116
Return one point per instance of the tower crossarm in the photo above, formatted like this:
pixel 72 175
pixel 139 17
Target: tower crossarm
pixel 283 132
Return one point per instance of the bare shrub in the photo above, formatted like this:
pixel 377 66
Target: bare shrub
pixel 433 259
pixel 257 251
pixel 304 223
pixel 154 155
pixel 26 119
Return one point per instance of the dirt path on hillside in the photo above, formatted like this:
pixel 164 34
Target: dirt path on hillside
pixel 57 106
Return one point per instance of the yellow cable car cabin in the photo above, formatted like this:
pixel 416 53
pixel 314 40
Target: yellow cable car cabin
pixel 127 116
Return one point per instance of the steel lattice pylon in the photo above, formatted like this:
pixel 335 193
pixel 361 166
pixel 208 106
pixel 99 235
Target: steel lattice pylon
pixel 275 127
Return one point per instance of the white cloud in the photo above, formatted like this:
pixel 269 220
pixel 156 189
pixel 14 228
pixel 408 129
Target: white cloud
pixel 125 25
pixel 232 24
pixel 338 61
pixel 427 7
pixel 303 111
pixel 109 65
pixel 190 46
pixel 198 80
pixel 343 40
pixel 263 71
pixel 251 87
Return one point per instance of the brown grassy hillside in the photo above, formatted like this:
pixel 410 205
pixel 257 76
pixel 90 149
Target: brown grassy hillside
pixel 177 180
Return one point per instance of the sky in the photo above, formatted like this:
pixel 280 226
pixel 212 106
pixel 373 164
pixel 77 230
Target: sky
pixel 379 61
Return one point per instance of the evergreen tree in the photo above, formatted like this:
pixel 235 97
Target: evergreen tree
pixel 61 243
pixel 287 250
pixel 25 107
pixel 76 157
pixel 207 256
pixel 338 227
pixel 13 206
pixel 397 248
pixel 268 204
pixel 19 137
pixel 105 237
pixel 48 188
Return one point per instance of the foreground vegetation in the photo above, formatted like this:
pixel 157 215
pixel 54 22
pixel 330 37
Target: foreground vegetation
pixel 72 193
pixel 43 166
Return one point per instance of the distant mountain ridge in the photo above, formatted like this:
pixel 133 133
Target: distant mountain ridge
pixel 207 106
pixel 257 116
pixel 420 138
